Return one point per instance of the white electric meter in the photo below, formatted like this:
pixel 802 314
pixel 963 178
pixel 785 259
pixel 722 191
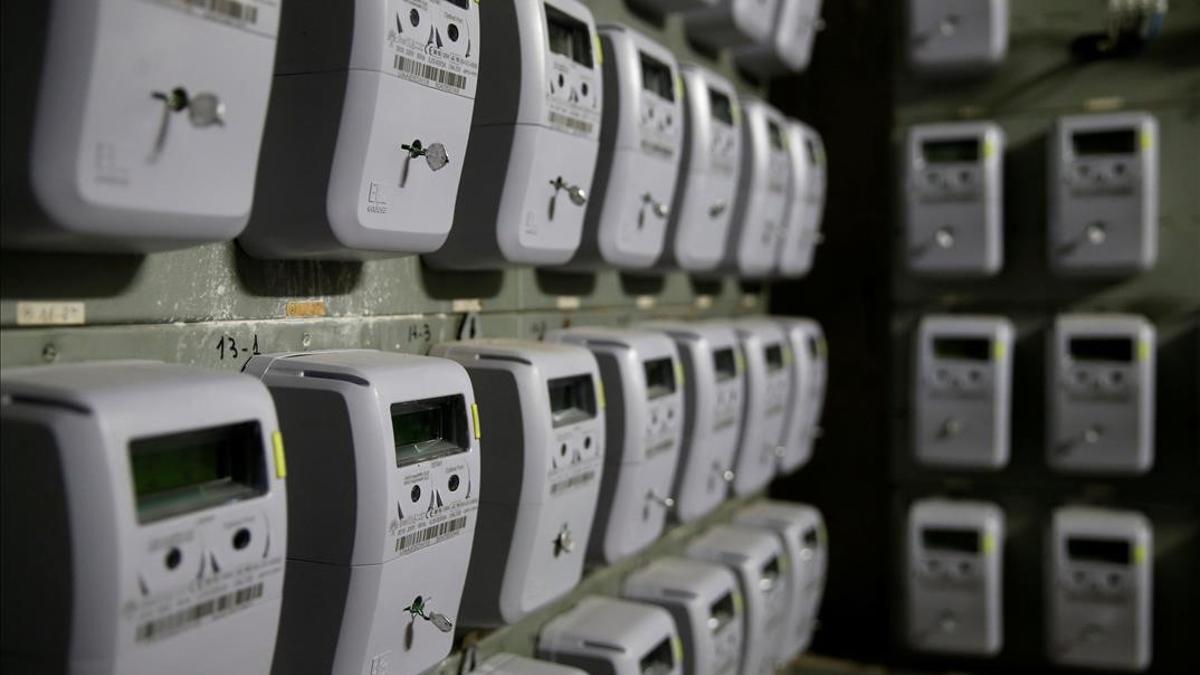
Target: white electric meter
pixel 643 384
pixel 542 406
pixel 384 460
pixel 370 113
pixel 147 124
pixel 806 208
pixel 756 233
pixel 534 138
pixel 765 410
pixel 731 23
pixel 957 37
pixel 809 374
pixel 618 637
pixel 790 47
pixel 155 496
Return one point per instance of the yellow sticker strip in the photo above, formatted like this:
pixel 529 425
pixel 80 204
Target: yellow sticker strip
pixel 989 543
pixel 999 350
pixel 679 374
pixel 1139 554
pixel 739 361
pixel 475 419
pixel 280 458
pixel 599 49
pixel 600 394
pixel 677 648
pixel 1143 350
pixel 1146 139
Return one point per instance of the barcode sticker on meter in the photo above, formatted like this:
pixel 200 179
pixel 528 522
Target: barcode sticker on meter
pixel 430 534
pixel 427 72
pixel 189 616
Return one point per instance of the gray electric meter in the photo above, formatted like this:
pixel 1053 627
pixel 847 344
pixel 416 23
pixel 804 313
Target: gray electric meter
pixel 137 104
pixel 155 494
pixel 370 113
pixel 542 406
pixel 809 371
pixel 955 582
pixel 757 558
pixel 511 664
pixel 642 380
pixel 806 207
pixel 962 391
pixel 766 401
pixel 957 37
pixel 708 173
pixel 641 142
pixel 1103 194
pixel 534 138
pixel 954 198
pixel 383 499
pixel 790 46
pixel 1100 583
pixel 756 232
pixel 802 530
pixel 1100 394
pixel 618 637
pixel 714 388
pixel 731 23
pixel 706 604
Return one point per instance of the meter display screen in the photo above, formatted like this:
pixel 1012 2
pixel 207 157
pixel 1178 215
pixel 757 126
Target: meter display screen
pixel 967 349
pixel 1116 142
pixel 459 3
pixel 1101 349
pixel 568 36
pixel 810 149
pixel 572 399
pixel 811 538
pixel 951 150
pixel 721 106
pixel 658 661
pixel 1113 551
pixel 771 571
pixel 184 472
pixel 424 430
pixel 656 77
pixel 775 134
pixel 660 378
pixel 725 363
pixel 774 356
pixel 721 613
pixel 958 540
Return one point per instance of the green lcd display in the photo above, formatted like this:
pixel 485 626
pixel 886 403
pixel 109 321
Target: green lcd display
pixel 572 399
pixel 424 430
pixel 660 378
pixel 725 364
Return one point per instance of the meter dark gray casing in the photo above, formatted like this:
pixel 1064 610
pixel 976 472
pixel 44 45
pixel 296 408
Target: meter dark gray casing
pixel 613 637
pixel 731 23
pixel 645 419
pixel 380 536
pixel 790 46
pixel 809 367
pixel 767 396
pixel 955 583
pixel 1103 194
pixel 511 664
pixel 706 604
pixel 186 577
pixel 1099 589
pixel 957 37
pixel 541 462
pixel 806 207
pixel 758 227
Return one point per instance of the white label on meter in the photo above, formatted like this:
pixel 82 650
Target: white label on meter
pixel 432 46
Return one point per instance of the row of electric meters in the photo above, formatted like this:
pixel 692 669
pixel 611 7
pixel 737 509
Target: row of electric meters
pixel 1100 393
pixel 482 135
pixel 147 526
pixel 1098 583
pixel 1102 188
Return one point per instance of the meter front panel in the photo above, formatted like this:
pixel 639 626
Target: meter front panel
pixel 790 48
pixel 767 397
pixel 806 343
pixel 619 637
pixel 806 208
pixel 954 37
pixel 731 23
pixel 764 188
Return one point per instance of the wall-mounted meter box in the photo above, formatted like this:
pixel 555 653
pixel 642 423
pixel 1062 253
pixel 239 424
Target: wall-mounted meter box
pixel 641 142
pixel 713 392
pixel 384 461
pixel 642 379
pixel 731 23
pixel 955 583
pixel 764 188
pixel 757 558
pixel 708 173
pixel 534 139
pixel 1099 579
pixel 706 604
pixel 806 208
pixel 128 122
pixel 962 391
pixel 155 496
pixel 367 132
pixel 789 48
pixel 766 401
pixel 957 37
pixel 809 366
pixel 511 664
pixel 542 406
pixel 802 530
pixel 1103 194
pixel 616 637
pixel 1100 393
pixel 954 198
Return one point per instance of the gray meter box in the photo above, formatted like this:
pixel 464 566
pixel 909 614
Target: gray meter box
pixel 956 37
pixel 954 198
pixel 1103 194
pixel 731 23
pixel 642 383
pixel 955 584
pixel 1100 394
pixel 542 406
pixel 707 605
pixel 1099 586
pixel 757 558
pixel 614 637
pixel 806 207
pixel 809 370
pixel 767 396
pixel 764 188
pixel 155 494
pixel 511 664
pixel 383 497
pixel 962 391
pixel 790 46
